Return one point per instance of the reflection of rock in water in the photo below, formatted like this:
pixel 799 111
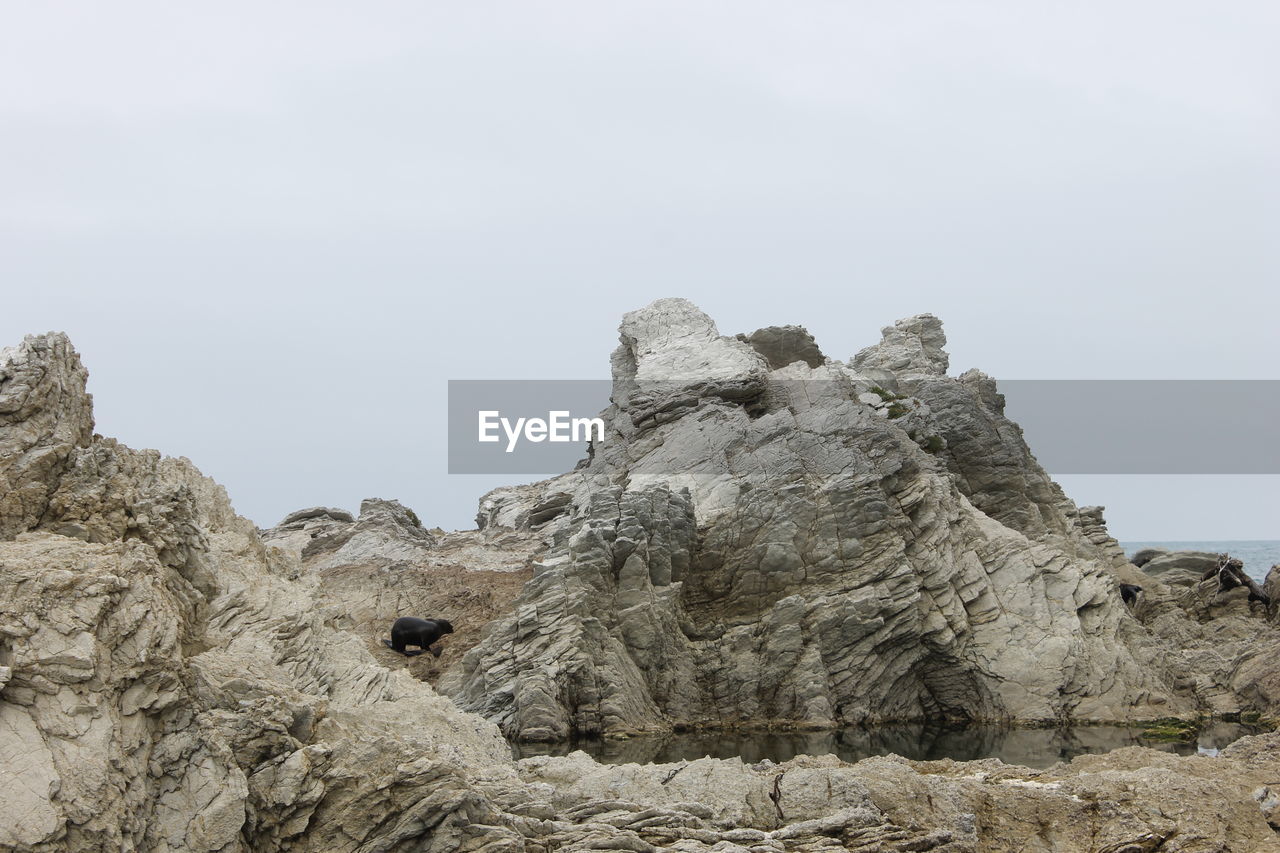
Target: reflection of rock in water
pixel 1029 747
pixel 1217 735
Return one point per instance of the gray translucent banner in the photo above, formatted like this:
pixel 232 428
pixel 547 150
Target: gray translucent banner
pixel 1146 426
pixel 517 399
pixel 1072 426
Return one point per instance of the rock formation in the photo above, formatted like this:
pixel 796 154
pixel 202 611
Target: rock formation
pixel 386 532
pixel 383 565
pixel 169 681
pixel 765 540
pixel 44 416
pixel 1178 568
pixel 167 687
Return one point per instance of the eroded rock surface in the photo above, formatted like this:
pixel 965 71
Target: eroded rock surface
pixel 759 545
pixel 166 686
pixel 1179 568
pixel 44 415
pixel 171 682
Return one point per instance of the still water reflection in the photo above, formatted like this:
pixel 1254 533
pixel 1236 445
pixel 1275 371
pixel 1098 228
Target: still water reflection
pixel 1028 747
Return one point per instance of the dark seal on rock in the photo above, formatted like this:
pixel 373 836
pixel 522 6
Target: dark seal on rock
pixel 412 631
pixel 1129 593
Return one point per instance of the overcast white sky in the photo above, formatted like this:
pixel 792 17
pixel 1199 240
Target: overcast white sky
pixel 275 230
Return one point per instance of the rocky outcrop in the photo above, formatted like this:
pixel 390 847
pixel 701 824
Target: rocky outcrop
pixel 1179 568
pixel 1145 555
pixel 758 545
pixel 167 687
pixel 784 345
pixel 1132 799
pixel 169 681
pixel 45 415
pixel 598 622
pixel 996 471
pixel 911 348
pixel 386 533
pixel 372 570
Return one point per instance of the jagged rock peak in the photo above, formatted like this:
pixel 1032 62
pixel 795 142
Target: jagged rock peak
pixel 833 522
pixel 45 413
pixel 909 348
pixel 386 533
pixel 674 339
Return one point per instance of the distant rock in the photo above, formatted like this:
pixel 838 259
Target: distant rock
pixel 911 348
pixel 784 345
pixel 1180 568
pixel 1145 555
pixel 386 532
pixel 316 512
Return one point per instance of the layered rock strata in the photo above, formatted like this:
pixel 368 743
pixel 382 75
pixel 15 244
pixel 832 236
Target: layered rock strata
pixel 169 682
pixel 767 537
pixel 167 686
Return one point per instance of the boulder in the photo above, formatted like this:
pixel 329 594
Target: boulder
pixel 316 512
pixel 386 533
pixel 1180 568
pixel 826 536
pixel 1145 555
pixel 784 345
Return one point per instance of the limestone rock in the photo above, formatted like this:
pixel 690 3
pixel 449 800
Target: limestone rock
pixel 386 533
pixel 1180 568
pixel 167 687
pixel 45 415
pixel 169 681
pixel 840 572
pixel 1130 799
pixel 672 340
pixel 671 359
pixel 910 348
pixel 1146 555
pixel 316 512
pixel 1271 586
pixel 784 345
pixel 588 637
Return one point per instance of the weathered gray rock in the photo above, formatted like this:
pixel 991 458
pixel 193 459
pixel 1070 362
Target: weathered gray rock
pixel 386 533
pixel 166 687
pixel 1132 799
pixel 784 345
pixel 1180 568
pixel 909 349
pixel 590 635
pixel 1145 555
pixel 170 682
pixel 316 512
pixel 45 415
pixel 840 573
